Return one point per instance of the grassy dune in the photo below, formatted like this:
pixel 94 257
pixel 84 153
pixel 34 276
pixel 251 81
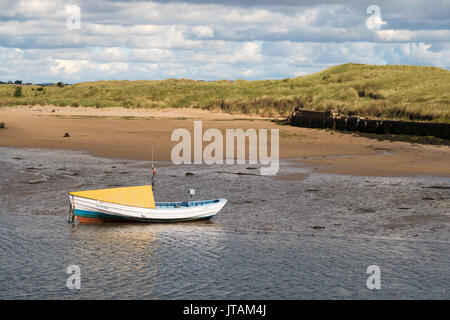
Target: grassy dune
pixel 395 92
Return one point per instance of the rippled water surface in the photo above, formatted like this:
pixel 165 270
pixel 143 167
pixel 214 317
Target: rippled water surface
pixel 276 239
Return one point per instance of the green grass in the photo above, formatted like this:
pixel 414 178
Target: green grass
pixel 394 92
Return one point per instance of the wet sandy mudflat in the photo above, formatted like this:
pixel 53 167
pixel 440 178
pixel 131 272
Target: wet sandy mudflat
pixel 37 181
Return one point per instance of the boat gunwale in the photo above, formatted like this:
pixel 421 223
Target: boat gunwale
pixel 171 204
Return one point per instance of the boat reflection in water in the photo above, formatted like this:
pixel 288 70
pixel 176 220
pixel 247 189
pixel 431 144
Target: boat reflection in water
pixel 137 260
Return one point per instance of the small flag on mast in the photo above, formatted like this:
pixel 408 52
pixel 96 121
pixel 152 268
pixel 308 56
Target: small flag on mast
pixel 153 177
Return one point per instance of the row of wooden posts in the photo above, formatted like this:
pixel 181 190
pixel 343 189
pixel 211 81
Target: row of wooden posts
pixel 333 120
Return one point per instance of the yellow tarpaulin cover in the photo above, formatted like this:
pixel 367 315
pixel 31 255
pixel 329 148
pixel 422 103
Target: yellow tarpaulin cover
pixel 141 196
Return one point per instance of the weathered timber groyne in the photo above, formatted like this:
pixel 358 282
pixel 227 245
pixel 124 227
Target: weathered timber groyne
pixel 334 120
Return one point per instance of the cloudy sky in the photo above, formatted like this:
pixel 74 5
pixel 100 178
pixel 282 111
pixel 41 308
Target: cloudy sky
pixel 85 40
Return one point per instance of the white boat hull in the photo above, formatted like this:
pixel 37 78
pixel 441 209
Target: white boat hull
pixel 90 210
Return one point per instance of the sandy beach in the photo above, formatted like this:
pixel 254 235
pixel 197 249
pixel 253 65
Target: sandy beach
pixel 131 134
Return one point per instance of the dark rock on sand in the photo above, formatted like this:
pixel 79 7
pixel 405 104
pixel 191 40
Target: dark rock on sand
pixel 240 173
pixel 437 187
pixel 366 210
pixel 35 182
pixel 33 168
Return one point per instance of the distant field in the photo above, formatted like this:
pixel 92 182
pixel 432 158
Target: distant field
pixel 395 92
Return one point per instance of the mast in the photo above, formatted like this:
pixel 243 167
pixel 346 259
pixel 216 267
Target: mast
pixel 154 173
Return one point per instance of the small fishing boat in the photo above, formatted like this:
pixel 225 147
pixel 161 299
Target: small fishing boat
pixel 137 204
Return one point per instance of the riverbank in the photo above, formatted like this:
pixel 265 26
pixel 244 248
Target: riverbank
pixel 130 134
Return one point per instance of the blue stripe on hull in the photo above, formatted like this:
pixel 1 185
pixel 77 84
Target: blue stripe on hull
pixel 96 215
pixel 104 216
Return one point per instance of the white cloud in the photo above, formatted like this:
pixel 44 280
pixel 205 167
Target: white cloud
pixel 203 32
pixel 390 35
pixel 200 40
pixel 250 52
pixel 68 67
pixel 39 7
